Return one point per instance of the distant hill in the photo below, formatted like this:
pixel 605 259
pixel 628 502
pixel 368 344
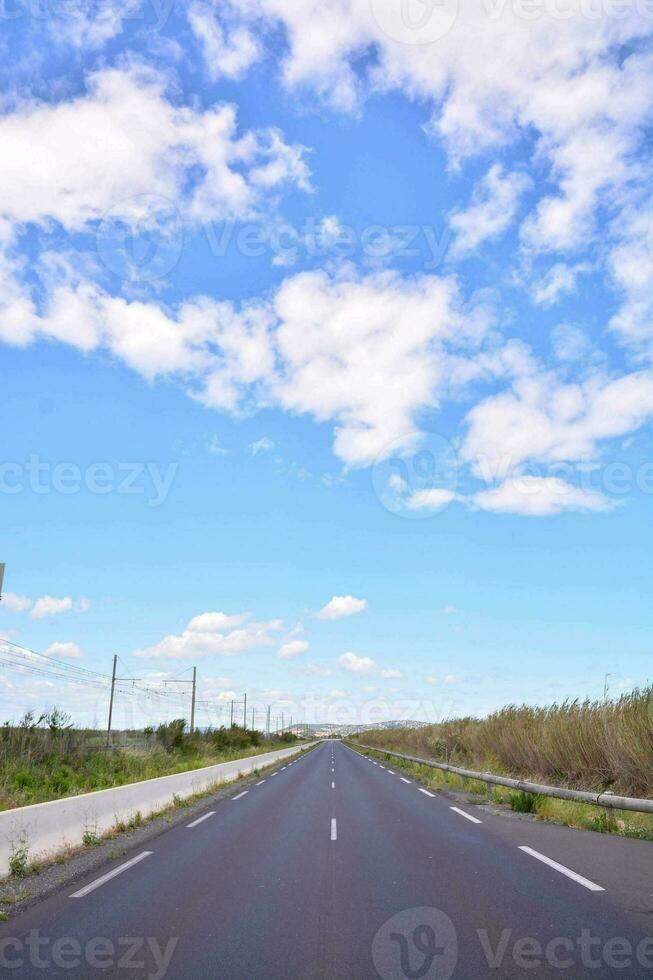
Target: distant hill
pixel 324 730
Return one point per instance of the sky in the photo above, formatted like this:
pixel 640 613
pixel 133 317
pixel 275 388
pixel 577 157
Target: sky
pixel 327 346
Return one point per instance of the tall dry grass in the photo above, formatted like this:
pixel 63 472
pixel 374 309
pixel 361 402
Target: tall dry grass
pixel 581 744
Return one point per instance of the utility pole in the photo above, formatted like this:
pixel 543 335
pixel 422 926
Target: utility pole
pixel 113 688
pixel 2 575
pixel 231 720
pixel 192 704
pixel 252 719
pixel 267 723
pixel 282 722
pixel 245 713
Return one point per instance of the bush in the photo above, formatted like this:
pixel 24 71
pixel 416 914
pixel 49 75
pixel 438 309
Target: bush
pixel 171 735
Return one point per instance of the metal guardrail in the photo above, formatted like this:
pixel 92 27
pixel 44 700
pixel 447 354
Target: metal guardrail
pixel 607 799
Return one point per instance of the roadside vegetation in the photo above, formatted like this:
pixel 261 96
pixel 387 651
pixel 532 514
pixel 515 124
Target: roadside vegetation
pixel 46 758
pixel 590 745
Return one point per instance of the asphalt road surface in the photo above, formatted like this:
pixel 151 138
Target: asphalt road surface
pixel 336 867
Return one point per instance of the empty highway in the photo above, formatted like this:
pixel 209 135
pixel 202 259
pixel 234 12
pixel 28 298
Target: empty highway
pixel 338 867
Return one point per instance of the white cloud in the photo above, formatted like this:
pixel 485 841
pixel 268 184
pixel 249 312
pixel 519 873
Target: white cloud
pixel 539 497
pixel 357 665
pixel 215 634
pixel 560 279
pixel 63 651
pixel 342 605
pixel 491 212
pixel 227 52
pixel 262 445
pixel 447 679
pixel 48 605
pixel 57 167
pixel 15 603
pixel 545 421
pixel 449 610
pixel 433 499
pixel 293 648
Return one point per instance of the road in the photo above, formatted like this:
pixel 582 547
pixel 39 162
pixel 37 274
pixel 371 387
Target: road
pixel 336 867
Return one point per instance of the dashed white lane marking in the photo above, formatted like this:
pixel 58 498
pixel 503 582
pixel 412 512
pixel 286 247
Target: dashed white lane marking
pixel 283 767
pixel 110 874
pixel 240 795
pixel 334 829
pixel 391 772
pixel 333 785
pixel 404 780
pixel 426 792
pixel 273 774
pixel 467 816
pixel 381 767
pixel 585 882
pixel 200 820
pixel 261 782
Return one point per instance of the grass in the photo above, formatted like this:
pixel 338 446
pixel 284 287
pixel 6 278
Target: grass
pixel 46 758
pixel 592 745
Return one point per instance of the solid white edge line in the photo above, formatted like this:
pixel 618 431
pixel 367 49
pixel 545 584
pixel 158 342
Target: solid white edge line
pixel 109 875
pixel 585 882
pixel 467 816
pixel 240 795
pixel 404 780
pixel 334 829
pixel 426 792
pixel 195 823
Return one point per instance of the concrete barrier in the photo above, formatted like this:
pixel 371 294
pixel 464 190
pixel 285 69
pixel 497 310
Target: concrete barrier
pixel 50 827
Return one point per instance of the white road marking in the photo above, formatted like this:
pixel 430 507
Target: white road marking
pixel 283 767
pixel 200 820
pixel 585 882
pixel 333 785
pixel 274 774
pixel 426 792
pixel 260 783
pixel 240 795
pixel 391 772
pixel 111 874
pixel 404 780
pixel 467 816
pixel 334 829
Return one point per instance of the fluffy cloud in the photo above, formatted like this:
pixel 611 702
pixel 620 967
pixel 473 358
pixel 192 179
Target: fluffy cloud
pixel 63 651
pixel 57 165
pixel 492 210
pixel 342 605
pixel 544 421
pixel 215 634
pixel 355 664
pixel 293 648
pixel 227 53
pixel 539 497
pixel 44 606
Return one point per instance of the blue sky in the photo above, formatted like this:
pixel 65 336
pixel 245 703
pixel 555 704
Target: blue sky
pixel 327 349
